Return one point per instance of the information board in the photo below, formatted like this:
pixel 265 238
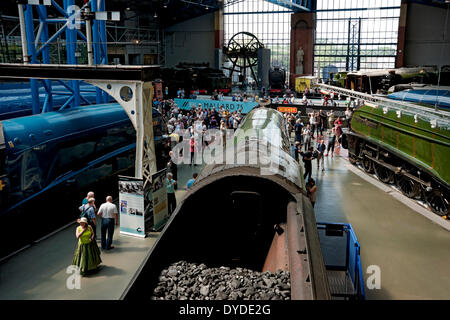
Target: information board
pixel 159 199
pixel 131 204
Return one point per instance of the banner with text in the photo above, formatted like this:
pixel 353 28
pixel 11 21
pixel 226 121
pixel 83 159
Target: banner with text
pixel 244 107
pixel 131 203
pixel 338 111
pixel 159 199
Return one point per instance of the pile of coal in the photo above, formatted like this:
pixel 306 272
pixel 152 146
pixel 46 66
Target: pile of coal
pixel 183 281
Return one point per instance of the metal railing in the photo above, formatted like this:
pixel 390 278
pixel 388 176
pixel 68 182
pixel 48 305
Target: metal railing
pixel 438 118
pixel 343 255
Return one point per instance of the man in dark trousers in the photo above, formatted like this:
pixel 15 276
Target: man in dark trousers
pixel 321 147
pixel 307 158
pixel 172 168
pixel 171 199
pixel 298 129
pixel 297 148
pixel 110 217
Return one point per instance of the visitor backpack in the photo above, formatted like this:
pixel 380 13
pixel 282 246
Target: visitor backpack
pixel 84 212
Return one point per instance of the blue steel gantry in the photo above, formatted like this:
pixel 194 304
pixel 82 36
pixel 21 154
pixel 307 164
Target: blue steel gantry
pixel 36 47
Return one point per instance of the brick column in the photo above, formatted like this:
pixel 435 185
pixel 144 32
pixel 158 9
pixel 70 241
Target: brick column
pixel 400 59
pixel 218 29
pixel 302 35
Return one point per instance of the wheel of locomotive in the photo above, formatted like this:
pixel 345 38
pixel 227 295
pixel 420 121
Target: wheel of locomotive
pixel 367 164
pixel 352 158
pixel 409 187
pixel 384 174
pixel 437 202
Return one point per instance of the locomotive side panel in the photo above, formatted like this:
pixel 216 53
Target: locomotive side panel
pixel 416 141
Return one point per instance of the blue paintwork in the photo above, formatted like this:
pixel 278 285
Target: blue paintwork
pixel 49 148
pixel 426 96
pixel 327 70
pixel 352 259
pixel 244 107
pixel 16 98
pixel 45 102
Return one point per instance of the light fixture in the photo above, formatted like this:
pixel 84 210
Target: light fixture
pixel 155 16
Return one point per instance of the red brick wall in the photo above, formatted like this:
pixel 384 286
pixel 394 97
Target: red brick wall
pixel 302 35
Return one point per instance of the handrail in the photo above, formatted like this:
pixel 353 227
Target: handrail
pixel 358 280
pixel 441 117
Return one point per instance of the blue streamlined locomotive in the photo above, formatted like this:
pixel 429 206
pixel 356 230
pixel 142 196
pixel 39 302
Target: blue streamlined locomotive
pixel 49 161
pixel 16 99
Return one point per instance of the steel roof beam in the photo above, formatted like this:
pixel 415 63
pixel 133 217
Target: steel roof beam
pixel 296 5
pixel 114 80
pixel 77 72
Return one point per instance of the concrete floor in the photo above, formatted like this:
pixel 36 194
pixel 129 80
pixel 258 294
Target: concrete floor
pixel 412 252
pixel 39 272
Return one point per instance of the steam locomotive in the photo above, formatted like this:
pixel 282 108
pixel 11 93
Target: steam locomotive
pixel 16 99
pixel 277 80
pixel 49 161
pixel 408 147
pixel 254 195
pixel 379 81
pixel 194 77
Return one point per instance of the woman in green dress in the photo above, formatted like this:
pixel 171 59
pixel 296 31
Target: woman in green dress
pixel 87 255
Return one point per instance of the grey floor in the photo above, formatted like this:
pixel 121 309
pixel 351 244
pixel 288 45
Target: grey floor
pixel 413 253
pixel 39 272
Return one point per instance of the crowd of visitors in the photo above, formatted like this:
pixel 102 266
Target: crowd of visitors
pixel 198 119
pixel 315 137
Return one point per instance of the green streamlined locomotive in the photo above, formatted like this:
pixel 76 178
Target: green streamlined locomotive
pixel 406 145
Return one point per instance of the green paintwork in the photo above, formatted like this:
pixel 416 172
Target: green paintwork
pixel 418 142
pixel 268 123
pixel 340 78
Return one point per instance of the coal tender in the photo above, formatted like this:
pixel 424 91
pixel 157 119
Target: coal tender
pixel 254 216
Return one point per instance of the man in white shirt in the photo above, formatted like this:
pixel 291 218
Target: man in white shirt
pixel 108 212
